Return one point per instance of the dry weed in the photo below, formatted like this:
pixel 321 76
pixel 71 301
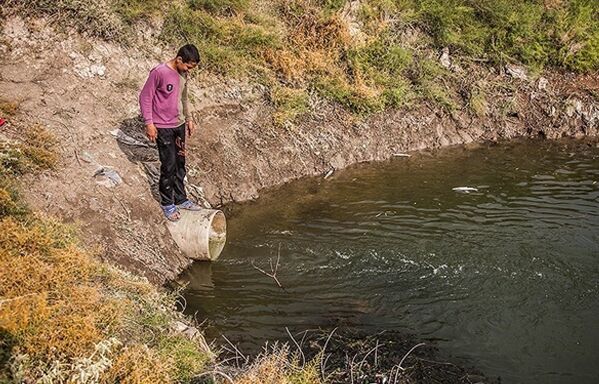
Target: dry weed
pixel 8 108
pixel 279 366
pixel 138 364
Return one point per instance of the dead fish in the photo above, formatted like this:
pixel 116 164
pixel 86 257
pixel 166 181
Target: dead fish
pixel 465 189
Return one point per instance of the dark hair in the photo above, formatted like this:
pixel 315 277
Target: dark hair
pixel 189 54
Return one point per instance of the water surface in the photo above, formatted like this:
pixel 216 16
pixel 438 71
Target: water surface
pixel 504 279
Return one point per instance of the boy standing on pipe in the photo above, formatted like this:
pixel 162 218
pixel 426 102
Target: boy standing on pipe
pixel 165 110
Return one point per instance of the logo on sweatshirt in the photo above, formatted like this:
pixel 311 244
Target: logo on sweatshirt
pixel 169 88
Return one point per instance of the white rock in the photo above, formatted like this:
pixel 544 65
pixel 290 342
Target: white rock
pixel 570 110
pixel 444 58
pixel 542 84
pixel 516 71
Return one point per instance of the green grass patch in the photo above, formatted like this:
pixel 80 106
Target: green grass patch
pixel 289 104
pixel 360 100
pixel 564 35
pixel 220 7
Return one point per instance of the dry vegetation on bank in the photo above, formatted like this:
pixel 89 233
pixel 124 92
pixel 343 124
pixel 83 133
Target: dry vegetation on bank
pixel 367 55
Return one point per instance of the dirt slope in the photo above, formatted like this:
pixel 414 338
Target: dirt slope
pixel 84 90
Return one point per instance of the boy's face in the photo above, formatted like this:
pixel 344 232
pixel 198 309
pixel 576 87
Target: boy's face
pixel 184 67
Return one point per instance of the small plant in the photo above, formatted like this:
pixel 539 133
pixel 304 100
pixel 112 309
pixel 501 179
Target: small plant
pixel 289 104
pixel 8 108
pixel 478 102
pixel 33 152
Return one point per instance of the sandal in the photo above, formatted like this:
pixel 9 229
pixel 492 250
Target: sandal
pixel 171 212
pixel 190 206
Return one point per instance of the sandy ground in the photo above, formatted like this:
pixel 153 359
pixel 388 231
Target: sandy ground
pixel 84 91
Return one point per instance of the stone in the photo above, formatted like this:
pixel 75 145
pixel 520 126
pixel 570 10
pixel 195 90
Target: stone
pixel 542 84
pixel 444 58
pixel 517 72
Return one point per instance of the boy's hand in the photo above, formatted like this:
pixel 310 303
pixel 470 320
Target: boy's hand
pixel 191 127
pixel 152 132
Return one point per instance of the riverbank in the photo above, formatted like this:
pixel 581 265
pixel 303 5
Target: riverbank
pixel 84 90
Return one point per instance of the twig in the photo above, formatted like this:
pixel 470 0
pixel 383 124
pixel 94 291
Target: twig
pixel 298 348
pixel 375 350
pixel 351 368
pixel 183 301
pixel 273 270
pixel 77 157
pixel 322 361
pixel 303 338
pixel 237 351
pixel 124 207
pixel 406 355
pixel 329 173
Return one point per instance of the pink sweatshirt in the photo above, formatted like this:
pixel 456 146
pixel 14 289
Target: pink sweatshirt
pixel 163 99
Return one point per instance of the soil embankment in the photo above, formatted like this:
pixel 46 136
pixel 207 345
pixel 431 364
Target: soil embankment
pixel 85 92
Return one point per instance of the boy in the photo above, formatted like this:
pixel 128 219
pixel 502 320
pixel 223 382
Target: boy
pixel 165 110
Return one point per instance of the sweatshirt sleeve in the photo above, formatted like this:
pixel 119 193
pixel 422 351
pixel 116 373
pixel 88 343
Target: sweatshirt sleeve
pixel 146 97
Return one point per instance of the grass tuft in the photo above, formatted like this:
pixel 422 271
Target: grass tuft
pixel 8 108
pixel 289 103
pixel 277 365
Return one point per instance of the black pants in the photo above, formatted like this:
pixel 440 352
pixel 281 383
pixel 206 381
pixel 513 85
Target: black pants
pixel 171 148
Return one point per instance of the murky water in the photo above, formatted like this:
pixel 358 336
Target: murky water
pixel 505 279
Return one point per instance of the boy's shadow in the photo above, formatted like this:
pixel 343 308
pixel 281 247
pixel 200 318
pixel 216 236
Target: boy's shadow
pixel 133 142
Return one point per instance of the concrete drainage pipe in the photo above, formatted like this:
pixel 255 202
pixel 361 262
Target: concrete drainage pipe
pixel 201 235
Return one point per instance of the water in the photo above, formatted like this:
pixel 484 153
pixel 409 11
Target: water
pixel 505 279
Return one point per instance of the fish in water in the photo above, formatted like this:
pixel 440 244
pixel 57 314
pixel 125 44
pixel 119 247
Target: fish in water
pixel 465 189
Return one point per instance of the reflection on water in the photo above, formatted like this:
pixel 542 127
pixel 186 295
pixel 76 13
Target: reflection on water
pixel 505 278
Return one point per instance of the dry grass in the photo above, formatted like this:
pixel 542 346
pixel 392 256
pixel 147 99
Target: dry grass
pixel 312 46
pixel 8 108
pixel 32 150
pixel 278 366
pixel 57 303
pixel 138 364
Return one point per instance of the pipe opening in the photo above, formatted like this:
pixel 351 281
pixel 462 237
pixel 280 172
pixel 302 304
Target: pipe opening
pixel 217 236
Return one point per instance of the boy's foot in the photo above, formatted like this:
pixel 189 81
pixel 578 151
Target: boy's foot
pixel 171 212
pixel 190 206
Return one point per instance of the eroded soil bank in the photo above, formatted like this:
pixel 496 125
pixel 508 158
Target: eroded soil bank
pixel 85 92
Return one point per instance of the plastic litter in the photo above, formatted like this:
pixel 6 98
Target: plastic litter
pixel 107 177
